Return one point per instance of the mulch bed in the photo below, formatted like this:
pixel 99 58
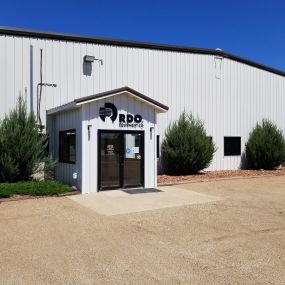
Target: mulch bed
pixel 217 175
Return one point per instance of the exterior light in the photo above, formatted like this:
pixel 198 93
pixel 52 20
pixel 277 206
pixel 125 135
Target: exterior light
pixel 89 58
pixel 89 131
pixel 151 129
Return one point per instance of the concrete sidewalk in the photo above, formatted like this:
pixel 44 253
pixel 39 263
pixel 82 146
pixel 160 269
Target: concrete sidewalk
pixel 117 202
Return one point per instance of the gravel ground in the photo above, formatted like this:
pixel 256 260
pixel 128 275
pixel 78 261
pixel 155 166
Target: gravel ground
pixel 239 240
pixel 213 175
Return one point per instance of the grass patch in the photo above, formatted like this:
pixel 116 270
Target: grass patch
pixel 33 188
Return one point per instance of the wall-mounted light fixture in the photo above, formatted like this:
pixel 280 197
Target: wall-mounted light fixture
pixel 151 130
pixel 89 131
pixel 91 59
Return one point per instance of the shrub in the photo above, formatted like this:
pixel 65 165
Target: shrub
pixel 265 148
pixel 186 148
pixel 21 146
pixel 33 188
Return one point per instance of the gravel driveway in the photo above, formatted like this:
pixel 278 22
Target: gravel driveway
pixel 238 240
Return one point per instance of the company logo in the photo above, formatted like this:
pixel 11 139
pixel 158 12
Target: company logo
pixel 109 110
pixel 125 120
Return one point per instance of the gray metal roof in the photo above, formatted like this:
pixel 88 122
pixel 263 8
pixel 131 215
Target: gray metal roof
pixel 118 91
pixel 147 45
pixel 84 100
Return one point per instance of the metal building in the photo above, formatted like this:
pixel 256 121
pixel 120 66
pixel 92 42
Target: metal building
pixel 229 93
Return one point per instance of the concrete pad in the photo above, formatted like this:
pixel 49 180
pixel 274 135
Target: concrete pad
pixel 117 202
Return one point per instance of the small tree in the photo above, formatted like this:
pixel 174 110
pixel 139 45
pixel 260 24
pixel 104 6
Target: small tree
pixel 21 146
pixel 186 148
pixel 265 148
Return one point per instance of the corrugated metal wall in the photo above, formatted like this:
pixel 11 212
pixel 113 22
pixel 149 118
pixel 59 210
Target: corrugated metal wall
pixel 62 122
pixel 230 97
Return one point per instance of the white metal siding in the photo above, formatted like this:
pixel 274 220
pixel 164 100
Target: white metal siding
pixel 90 116
pixel 229 106
pixel 62 122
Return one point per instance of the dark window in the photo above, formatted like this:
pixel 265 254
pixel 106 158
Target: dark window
pixel 157 147
pixel 67 146
pixel 232 146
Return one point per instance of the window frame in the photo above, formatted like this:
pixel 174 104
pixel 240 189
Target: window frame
pixel 232 137
pixel 60 147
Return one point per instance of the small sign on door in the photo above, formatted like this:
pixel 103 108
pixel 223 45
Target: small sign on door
pixel 132 150
pixel 135 149
pixel 110 149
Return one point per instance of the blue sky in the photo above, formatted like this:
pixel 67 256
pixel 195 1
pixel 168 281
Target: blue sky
pixel 254 29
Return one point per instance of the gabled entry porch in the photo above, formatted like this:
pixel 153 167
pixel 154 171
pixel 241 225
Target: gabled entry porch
pixel 114 139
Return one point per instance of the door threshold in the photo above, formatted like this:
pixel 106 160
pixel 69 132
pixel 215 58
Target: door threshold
pixel 120 188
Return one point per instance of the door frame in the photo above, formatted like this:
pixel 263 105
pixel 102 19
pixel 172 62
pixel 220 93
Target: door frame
pixel 121 166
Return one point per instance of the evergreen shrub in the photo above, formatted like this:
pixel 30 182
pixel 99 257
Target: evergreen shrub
pixel 265 148
pixel 186 148
pixel 21 145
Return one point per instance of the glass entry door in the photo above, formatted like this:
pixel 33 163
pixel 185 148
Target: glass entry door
pixel 121 159
pixel 132 159
pixel 110 153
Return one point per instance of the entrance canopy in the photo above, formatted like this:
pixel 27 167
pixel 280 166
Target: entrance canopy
pixel 160 108
pixel 106 141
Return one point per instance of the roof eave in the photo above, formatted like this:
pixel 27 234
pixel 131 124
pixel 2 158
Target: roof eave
pixel 123 90
pixel 77 103
pixel 62 108
pixel 137 44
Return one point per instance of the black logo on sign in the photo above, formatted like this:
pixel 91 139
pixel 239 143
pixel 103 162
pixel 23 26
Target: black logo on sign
pixel 130 118
pixel 109 110
pixel 125 120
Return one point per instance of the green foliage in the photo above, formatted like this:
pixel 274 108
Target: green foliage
pixel 21 146
pixel 265 148
pixel 33 188
pixel 186 148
